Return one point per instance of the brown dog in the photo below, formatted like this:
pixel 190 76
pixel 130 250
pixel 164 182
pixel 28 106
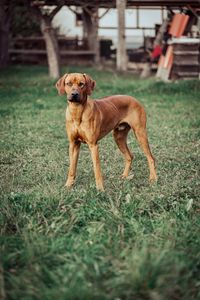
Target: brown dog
pixel 88 121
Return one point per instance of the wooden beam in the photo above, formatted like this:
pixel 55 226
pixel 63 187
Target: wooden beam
pixel 121 48
pixel 126 28
pixel 44 52
pixel 130 3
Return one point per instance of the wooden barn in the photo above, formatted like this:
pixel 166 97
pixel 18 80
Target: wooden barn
pixel 173 50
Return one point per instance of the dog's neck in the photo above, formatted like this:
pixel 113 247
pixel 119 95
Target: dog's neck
pixel 76 111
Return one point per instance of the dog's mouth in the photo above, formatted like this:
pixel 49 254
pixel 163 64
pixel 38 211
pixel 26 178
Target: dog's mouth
pixel 74 99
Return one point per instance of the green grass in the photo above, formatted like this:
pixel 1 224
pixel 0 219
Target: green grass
pixel 135 241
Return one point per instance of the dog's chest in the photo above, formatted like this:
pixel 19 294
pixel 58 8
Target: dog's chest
pixel 81 125
pixel 77 130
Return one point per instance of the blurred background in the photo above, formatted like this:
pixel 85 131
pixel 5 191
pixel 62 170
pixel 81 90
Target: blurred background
pixel 159 37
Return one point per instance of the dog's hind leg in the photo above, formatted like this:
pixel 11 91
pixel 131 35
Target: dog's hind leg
pixel 141 135
pixel 120 135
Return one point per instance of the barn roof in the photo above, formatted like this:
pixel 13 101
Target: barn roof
pixel 130 3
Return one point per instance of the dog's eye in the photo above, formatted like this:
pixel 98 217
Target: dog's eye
pixel 81 84
pixel 69 83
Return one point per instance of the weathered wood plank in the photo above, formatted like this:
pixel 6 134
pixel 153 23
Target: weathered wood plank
pixel 43 52
pixel 121 48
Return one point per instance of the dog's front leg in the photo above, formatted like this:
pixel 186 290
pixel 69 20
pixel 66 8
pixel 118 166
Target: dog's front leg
pixel 74 149
pixel 96 164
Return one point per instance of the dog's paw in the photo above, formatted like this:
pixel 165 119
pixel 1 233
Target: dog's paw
pixel 100 188
pixel 153 179
pixel 69 184
pixel 127 177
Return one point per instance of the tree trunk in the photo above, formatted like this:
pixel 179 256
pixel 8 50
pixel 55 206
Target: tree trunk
pixel 121 49
pixel 50 38
pixel 4 36
pixel 90 27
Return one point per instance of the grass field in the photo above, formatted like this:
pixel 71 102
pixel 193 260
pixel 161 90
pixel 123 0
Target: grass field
pixel 135 241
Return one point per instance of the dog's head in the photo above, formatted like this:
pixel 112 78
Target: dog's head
pixel 77 86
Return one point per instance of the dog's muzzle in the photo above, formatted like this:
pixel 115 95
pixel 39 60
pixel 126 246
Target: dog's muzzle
pixel 74 97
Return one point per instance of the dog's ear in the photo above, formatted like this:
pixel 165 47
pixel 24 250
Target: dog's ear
pixel 90 84
pixel 60 85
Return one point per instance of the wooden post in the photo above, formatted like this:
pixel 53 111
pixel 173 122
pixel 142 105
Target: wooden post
pixel 90 24
pixel 96 38
pixel 121 49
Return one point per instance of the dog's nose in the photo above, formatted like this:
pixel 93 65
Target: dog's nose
pixel 75 95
